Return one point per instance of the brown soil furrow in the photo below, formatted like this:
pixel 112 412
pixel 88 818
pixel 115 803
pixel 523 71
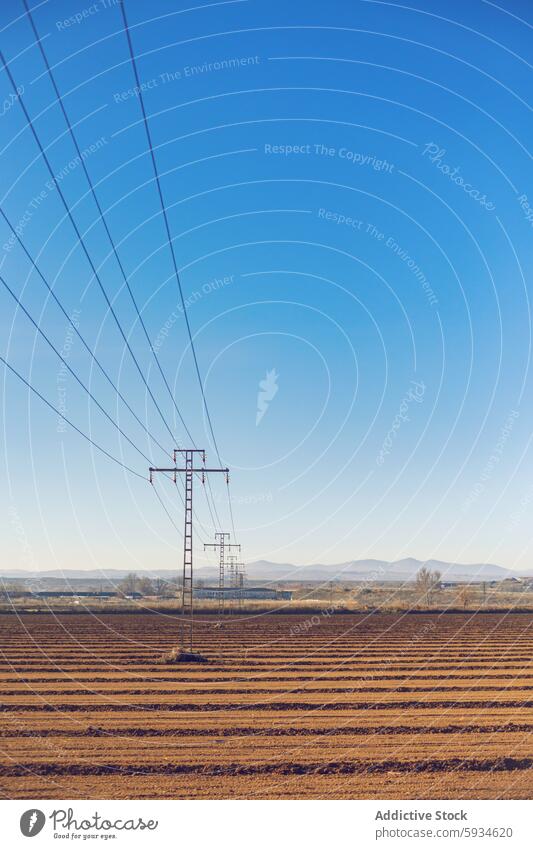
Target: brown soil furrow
pixel 502 764
pixel 267 705
pixel 245 731
pixel 211 691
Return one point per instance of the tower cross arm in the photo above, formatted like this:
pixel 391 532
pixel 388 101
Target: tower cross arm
pixel 177 469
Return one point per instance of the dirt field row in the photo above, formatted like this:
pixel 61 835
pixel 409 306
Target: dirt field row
pixel 332 706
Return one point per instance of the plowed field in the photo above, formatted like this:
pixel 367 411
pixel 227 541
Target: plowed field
pixel 338 706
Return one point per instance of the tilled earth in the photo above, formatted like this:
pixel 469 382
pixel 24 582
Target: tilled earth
pixel 330 706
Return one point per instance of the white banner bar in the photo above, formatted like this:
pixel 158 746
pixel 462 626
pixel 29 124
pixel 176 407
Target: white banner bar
pixel 268 824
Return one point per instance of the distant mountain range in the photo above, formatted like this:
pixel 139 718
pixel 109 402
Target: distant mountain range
pixel 376 570
pixel 264 570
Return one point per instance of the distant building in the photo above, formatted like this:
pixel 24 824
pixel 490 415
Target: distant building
pixel 261 593
pixel 75 594
pixel 15 594
pixel 467 582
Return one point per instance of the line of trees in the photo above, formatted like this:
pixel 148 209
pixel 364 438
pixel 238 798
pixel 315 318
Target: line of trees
pixel 161 587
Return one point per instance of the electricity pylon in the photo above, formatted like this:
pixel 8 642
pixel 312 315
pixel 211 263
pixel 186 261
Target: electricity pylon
pixel 186 623
pixel 236 576
pixel 235 570
pixel 223 549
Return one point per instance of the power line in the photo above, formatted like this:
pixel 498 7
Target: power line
pixel 76 428
pixel 231 512
pixel 85 344
pixel 167 226
pixel 81 383
pixel 71 370
pixel 194 514
pixel 104 293
pixel 171 246
pixel 90 351
pixel 216 523
pixel 166 511
pixel 102 217
pixel 82 244
pixel 39 329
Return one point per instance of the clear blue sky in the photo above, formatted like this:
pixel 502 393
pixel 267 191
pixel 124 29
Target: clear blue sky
pixel 347 186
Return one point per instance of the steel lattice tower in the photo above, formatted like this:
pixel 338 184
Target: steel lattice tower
pixel 187 606
pixel 186 590
pixel 223 548
pixel 236 574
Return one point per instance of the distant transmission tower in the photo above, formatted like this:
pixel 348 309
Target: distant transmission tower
pixel 236 576
pixel 224 548
pixel 186 623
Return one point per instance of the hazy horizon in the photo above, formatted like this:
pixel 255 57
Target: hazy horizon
pixel 214 567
